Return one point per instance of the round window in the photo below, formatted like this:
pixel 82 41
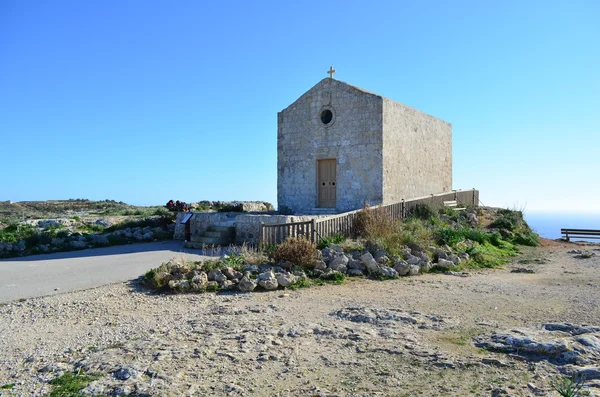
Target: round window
pixel 326 116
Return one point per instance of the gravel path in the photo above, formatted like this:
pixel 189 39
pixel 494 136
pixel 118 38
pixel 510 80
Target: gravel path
pixel 405 337
pixel 48 274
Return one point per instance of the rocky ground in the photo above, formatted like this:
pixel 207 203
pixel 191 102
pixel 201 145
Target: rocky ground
pixel 505 332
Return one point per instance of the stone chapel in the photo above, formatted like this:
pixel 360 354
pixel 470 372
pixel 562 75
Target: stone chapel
pixel 339 147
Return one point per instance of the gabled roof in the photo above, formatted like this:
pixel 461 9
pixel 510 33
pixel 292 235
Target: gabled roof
pixel 335 83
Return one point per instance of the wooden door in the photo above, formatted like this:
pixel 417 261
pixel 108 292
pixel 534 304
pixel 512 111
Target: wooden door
pixel 326 179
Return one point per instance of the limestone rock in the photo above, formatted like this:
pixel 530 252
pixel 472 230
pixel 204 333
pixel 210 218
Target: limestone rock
pixel 414 270
pixel 339 263
pixel 357 265
pixel 355 272
pixel 268 281
pixel 77 244
pixel 320 265
pixel 232 274
pixel 445 264
pixel 402 267
pixel 246 284
pixel 216 275
pixel 285 279
pixel 148 236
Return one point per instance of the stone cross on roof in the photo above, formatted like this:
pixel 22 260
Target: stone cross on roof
pixel 331 72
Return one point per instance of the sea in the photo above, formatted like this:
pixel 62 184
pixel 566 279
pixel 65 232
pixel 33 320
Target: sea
pixel 548 224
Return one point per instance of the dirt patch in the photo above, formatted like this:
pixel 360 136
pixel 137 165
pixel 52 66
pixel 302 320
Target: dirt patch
pixel 404 337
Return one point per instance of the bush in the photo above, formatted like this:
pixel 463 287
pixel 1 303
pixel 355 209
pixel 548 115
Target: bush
pixel 299 251
pixel 424 212
pixel 508 219
pixel 373 223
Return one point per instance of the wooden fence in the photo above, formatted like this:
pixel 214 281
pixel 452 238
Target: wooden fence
pixel 345 224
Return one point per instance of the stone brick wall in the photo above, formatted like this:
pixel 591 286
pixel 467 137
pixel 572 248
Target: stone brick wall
pixel 353 138
pixel 417 153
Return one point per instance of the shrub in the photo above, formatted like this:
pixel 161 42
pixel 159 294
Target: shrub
pixel 372 223
pixel 334 278
pixel 424 212
pixel 415 231
pixel 299 251
pixel 527 238
pixel 508 219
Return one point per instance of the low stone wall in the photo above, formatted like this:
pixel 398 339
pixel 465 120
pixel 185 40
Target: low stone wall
pixel 247 226
pixel 201 221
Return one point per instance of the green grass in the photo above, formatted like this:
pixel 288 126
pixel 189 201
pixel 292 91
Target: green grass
pixel 326 242
pixel 70 384
pixel 7 386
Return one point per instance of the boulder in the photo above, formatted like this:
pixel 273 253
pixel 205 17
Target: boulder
pixel 269 283
pixel 402 267
pixel 77 244
pixel 226 284
pixel 414 270
pixel 388 272
pixel 339 263
pixel 445 264
pixel 216 275
pixel 320 265
pixel 148 236
pixel 357 265
pixel 199 280
pixel 355 272
pixel 285 279
pixel 246 284
pixel 375 269
pixel 472 218
pixel 232 274
pixel 406 252
pixel 138 236
pixel 413 260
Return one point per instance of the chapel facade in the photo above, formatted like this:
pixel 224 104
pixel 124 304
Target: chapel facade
pixel 339 147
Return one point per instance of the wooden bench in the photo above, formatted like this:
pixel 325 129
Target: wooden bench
pixel 580 233
pixel 453 204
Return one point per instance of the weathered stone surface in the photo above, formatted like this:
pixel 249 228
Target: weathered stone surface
pixel 216 275
pixel 267 280
pixel 320 265
pixel 445 264
pixel 402 268
pixel 354 264
pixel 355 272
pixel 375 269
pixel 247 284
pixel 339 263
pixel 286 279
pixel 414 270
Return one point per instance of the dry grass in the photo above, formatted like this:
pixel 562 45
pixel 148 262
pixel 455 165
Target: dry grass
pixel 299 251
pixel 374 223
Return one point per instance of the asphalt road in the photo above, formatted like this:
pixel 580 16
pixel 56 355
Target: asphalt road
pixel 48 274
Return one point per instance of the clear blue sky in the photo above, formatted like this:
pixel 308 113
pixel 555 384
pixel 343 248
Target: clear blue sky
pixel 144 101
